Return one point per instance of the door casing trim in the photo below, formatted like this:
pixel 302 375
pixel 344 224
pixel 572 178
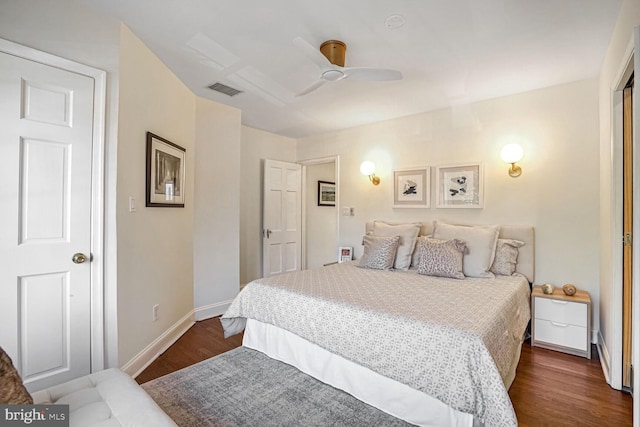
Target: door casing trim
pixel 318 161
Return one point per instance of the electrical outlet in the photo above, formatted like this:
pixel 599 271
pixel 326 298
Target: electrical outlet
pixel 156 309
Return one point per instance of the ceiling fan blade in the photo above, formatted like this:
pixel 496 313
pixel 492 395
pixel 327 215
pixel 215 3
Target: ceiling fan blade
pixel 311 52
pixel 312 87
pixel 372 74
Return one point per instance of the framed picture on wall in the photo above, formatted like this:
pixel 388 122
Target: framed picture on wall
pixel 460 186
pixel 165 173
pixel 326 193
pixel 411 188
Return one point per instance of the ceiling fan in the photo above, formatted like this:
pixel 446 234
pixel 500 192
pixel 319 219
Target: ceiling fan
pixel 330 59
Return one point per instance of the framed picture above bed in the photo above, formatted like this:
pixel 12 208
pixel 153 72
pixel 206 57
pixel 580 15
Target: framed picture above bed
pixel 459 186
pixel 326 193
pixel 165 173
pixel 411 188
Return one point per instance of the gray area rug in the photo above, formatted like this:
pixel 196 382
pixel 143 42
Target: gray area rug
pixel 243 387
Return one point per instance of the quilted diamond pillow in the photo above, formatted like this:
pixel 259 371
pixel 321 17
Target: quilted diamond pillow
pixel 442 258
pixel 379 252
pixel 504 264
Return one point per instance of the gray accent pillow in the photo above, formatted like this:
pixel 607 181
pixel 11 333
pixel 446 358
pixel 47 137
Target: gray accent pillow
pixel 442 258
pixel 408 234
pixel 504 263
pixel 379 252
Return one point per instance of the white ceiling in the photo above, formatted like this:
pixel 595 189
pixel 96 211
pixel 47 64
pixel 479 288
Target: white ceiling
pixel 451 52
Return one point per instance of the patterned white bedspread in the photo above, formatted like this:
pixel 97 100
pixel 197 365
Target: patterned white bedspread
pixel 452 339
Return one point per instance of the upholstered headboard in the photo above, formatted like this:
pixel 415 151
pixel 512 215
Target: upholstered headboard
pixel 526 254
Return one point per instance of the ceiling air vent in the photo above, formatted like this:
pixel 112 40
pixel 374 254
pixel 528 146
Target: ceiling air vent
pixel 227 90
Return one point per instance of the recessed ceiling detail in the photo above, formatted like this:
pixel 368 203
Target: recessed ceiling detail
pixel 213 51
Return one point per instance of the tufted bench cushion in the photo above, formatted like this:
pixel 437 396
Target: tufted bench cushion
pixel 108 398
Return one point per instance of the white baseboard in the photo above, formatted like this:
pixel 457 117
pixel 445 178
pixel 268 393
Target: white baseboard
pixel 604 357
pixel 211 310
pixel 151 352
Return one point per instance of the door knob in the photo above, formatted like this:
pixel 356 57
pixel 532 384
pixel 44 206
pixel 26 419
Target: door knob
pixel 79 258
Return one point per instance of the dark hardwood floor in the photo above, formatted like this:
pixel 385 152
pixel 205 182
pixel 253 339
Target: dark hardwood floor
pixel 205 339
pixel 557 389
pixel 550 389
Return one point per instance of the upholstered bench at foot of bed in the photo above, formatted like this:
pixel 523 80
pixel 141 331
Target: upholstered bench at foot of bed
pixel 108 398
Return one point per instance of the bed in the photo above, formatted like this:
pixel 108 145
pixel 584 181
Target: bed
pixel 436 351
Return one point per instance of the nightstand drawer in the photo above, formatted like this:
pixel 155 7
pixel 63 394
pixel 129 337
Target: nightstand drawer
pixel 566 312
pixel 561 334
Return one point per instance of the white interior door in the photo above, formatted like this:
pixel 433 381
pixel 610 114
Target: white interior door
pixel 46 140
pixel 281 217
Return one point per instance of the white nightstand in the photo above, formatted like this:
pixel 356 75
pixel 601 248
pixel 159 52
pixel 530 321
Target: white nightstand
pixel 561 322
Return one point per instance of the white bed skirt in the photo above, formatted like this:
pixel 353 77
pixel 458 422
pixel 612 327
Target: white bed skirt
pixel 388 395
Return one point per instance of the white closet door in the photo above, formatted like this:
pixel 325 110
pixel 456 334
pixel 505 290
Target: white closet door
pixel 46 140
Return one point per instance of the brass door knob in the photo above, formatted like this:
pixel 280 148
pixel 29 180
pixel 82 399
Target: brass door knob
pixel 79 258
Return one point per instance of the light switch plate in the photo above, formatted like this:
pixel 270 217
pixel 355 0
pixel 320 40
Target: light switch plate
pixel 132 204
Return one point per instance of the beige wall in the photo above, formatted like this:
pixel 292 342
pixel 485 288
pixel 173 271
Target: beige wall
pixel 557 192
pixel 155 245
pixel 257 145
pixel 216 233
pixel 609 307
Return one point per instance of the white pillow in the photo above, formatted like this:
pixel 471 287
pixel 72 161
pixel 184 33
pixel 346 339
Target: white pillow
pixel 408 235
pixel 481 243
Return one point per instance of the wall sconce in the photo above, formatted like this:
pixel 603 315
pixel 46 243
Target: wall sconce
pixel 512 153
pixel 368 168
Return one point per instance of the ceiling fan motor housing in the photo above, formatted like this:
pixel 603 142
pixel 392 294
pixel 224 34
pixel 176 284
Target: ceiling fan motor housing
pixel 334 51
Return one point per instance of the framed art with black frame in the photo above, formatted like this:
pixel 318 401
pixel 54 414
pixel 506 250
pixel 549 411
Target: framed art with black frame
pixel 326 193
pixel 165 173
